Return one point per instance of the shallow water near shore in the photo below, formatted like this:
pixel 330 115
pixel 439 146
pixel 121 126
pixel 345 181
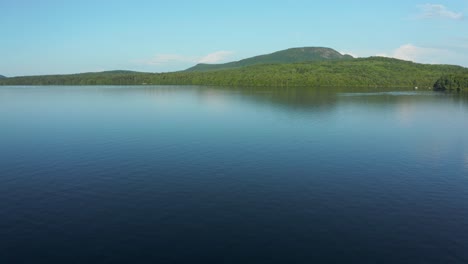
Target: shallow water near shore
pixel 190 174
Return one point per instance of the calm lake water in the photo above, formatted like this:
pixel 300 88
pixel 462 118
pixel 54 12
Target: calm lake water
pixel 174 174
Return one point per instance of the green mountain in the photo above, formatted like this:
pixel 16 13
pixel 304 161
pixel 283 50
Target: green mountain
pixel 332 70
pixel 1 76
pixel 294 55
pixel 360 72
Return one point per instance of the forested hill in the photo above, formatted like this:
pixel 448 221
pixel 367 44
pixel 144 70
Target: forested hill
pixel 293 55
pixel 361 72
pixel 1 76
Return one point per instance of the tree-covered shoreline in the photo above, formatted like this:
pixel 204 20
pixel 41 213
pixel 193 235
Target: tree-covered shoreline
pixel 362 72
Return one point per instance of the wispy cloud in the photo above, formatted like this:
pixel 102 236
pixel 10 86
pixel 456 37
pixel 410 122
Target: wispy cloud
pixel 171 59
pixel 216 57
pixel 161 59
pixel 414 53
pixel 349 53
pixel 431 11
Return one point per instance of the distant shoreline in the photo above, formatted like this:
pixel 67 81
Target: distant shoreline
pixel 337 71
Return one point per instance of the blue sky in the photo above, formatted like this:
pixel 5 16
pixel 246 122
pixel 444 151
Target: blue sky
pixel 61 36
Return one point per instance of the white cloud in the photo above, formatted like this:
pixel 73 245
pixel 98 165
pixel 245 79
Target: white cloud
pixel 162 59
pixel 429 11
pixel 172 59
pixel 216 57
pixel 349 53
pixel 414 53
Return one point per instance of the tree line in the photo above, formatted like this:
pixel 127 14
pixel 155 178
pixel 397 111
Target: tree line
pixel 368 72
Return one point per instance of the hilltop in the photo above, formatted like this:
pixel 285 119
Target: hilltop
pixel 293 55
pixel 1 76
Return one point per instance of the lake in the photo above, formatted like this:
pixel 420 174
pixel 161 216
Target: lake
pixel 188 174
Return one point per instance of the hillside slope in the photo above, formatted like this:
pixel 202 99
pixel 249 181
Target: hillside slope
pixel 293 55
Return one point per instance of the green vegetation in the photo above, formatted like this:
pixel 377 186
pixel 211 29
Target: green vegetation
pixel 333 72
pixel 451 82
pixel 294 55
pixel 368 72
pixel 95 78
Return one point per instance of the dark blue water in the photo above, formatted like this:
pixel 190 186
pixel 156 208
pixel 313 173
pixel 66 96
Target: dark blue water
pixel 170 174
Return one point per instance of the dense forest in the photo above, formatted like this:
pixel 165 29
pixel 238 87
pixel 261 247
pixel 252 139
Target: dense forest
pixel 368 72
pixel 362 72
pixel 452 82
